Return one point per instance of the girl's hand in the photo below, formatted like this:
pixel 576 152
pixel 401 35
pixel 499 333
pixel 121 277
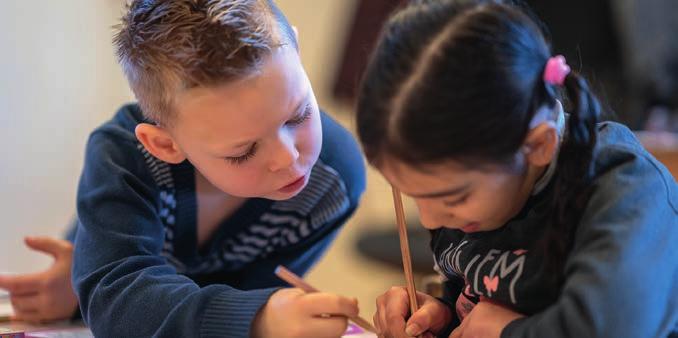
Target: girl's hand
pixel 294 313
pixel 486 320
pixel 47 295
pixel 393 308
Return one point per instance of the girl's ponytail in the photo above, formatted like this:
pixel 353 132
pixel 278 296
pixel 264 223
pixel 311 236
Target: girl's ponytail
pixel 572 185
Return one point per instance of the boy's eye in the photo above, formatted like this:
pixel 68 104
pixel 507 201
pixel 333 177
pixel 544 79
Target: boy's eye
pixel 457 201
pixel 301 118
pixel 244 157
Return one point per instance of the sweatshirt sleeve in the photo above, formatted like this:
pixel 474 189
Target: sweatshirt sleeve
pixel 621 276
pixel 126 288
pixel 69 234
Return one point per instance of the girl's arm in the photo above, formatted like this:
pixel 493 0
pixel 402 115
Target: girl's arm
pixel 621 277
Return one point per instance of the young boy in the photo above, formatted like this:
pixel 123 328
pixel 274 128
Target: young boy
pixel 225 169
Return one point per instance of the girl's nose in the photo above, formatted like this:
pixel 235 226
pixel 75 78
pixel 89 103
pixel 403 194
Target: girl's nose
pixel 429 217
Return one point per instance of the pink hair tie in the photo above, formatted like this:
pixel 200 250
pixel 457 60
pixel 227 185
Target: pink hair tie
pixel 556 70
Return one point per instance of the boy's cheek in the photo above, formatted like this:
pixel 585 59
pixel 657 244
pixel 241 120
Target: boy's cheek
pixel 241 182
pixel 308 142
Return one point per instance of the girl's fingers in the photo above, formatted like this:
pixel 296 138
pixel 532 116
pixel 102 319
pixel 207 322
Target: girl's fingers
pixel 456 333
pixel 431 316
pixel 379 304
pixel 382 316
pixel 395 319
pixel 376 322
pixel 459 330
pixel 397 309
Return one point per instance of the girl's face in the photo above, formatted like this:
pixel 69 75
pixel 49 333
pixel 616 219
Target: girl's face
pixel 452 196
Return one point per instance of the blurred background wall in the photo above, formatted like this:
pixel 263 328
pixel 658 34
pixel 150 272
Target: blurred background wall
pixel 59 80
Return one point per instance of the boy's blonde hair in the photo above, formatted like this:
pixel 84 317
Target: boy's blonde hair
pixel 166 46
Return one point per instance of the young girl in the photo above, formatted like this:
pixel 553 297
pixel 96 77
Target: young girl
pixel 544 223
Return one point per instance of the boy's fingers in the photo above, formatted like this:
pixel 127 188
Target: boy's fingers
pixel 325 303
pixel 22 306
pixel 26 316
pixel 22 285
pixel 49 245
pixel 330 327
pixel 26 303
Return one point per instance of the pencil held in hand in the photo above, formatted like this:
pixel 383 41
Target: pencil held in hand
pixel 296 281
pixel 405 250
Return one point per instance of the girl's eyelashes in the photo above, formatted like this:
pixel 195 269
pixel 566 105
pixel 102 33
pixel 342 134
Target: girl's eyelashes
pixel 243 158
pixel 301 118
pixel 457 201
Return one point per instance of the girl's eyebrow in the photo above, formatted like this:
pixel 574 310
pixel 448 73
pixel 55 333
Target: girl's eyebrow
pixel 448 192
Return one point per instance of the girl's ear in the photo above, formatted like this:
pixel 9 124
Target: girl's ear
pixel 159 143
pixel 541 144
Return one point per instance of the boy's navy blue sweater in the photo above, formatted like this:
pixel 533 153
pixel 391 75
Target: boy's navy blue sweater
pixel 621 276
pixel 137 270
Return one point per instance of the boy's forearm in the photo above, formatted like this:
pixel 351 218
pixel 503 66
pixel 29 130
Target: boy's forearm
pixel 155 301
pixel 71 230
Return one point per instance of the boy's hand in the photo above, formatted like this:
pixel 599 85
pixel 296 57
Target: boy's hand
pixel 294 313
pixel 487 320
pixel 393 308
pixel 47 295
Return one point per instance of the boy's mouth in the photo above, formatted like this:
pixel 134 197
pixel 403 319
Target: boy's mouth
pixel 295 185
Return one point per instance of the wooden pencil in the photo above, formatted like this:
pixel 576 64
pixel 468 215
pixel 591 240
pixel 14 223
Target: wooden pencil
pixel 405 249
pixel 296 281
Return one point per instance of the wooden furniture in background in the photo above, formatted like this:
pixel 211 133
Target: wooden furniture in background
pixel 663 146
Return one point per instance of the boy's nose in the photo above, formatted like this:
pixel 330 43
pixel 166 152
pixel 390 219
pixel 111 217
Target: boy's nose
pixel 286 153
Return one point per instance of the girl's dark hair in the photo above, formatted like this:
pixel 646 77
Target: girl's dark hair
pixel 461 81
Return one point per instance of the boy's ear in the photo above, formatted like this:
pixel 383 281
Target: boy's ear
pixel 159 143
pixel 541 144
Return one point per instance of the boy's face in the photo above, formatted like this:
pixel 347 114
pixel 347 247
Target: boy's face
pixel 452 196
pixel 255 137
